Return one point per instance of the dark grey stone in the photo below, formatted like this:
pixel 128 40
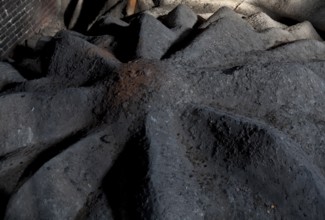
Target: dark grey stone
pixel 9 75
pixel 146 38
pixel 215 47
pixel 230 126
pixel 32 123
pixel 65 184
pixel 76 62
pixel 243 162
pixel 181 16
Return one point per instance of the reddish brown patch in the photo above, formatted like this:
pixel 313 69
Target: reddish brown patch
pixel 135 79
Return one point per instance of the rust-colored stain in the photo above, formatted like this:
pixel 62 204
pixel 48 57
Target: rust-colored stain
pixel 134 80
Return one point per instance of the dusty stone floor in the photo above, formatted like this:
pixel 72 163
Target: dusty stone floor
pixel 166 117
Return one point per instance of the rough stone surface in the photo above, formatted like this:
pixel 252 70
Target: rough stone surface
pixel 32 123
pixel 77 172
pixel 261 21
pixel 296 10
pixel 95 63
pixel 213 46
pixel 225 123
pixel 146 38
pixel 223 12
pixel 181 16
pixel 9 75
pixel 304 30
pixel 180 20
pixel 237 39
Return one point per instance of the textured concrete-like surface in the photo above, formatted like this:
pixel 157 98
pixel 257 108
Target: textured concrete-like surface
pixel 222 121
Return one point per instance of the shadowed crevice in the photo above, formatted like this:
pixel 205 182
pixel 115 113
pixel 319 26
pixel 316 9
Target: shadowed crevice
pixel 4 198
pixel 89 12
pixel 183 41
pixel 126 184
